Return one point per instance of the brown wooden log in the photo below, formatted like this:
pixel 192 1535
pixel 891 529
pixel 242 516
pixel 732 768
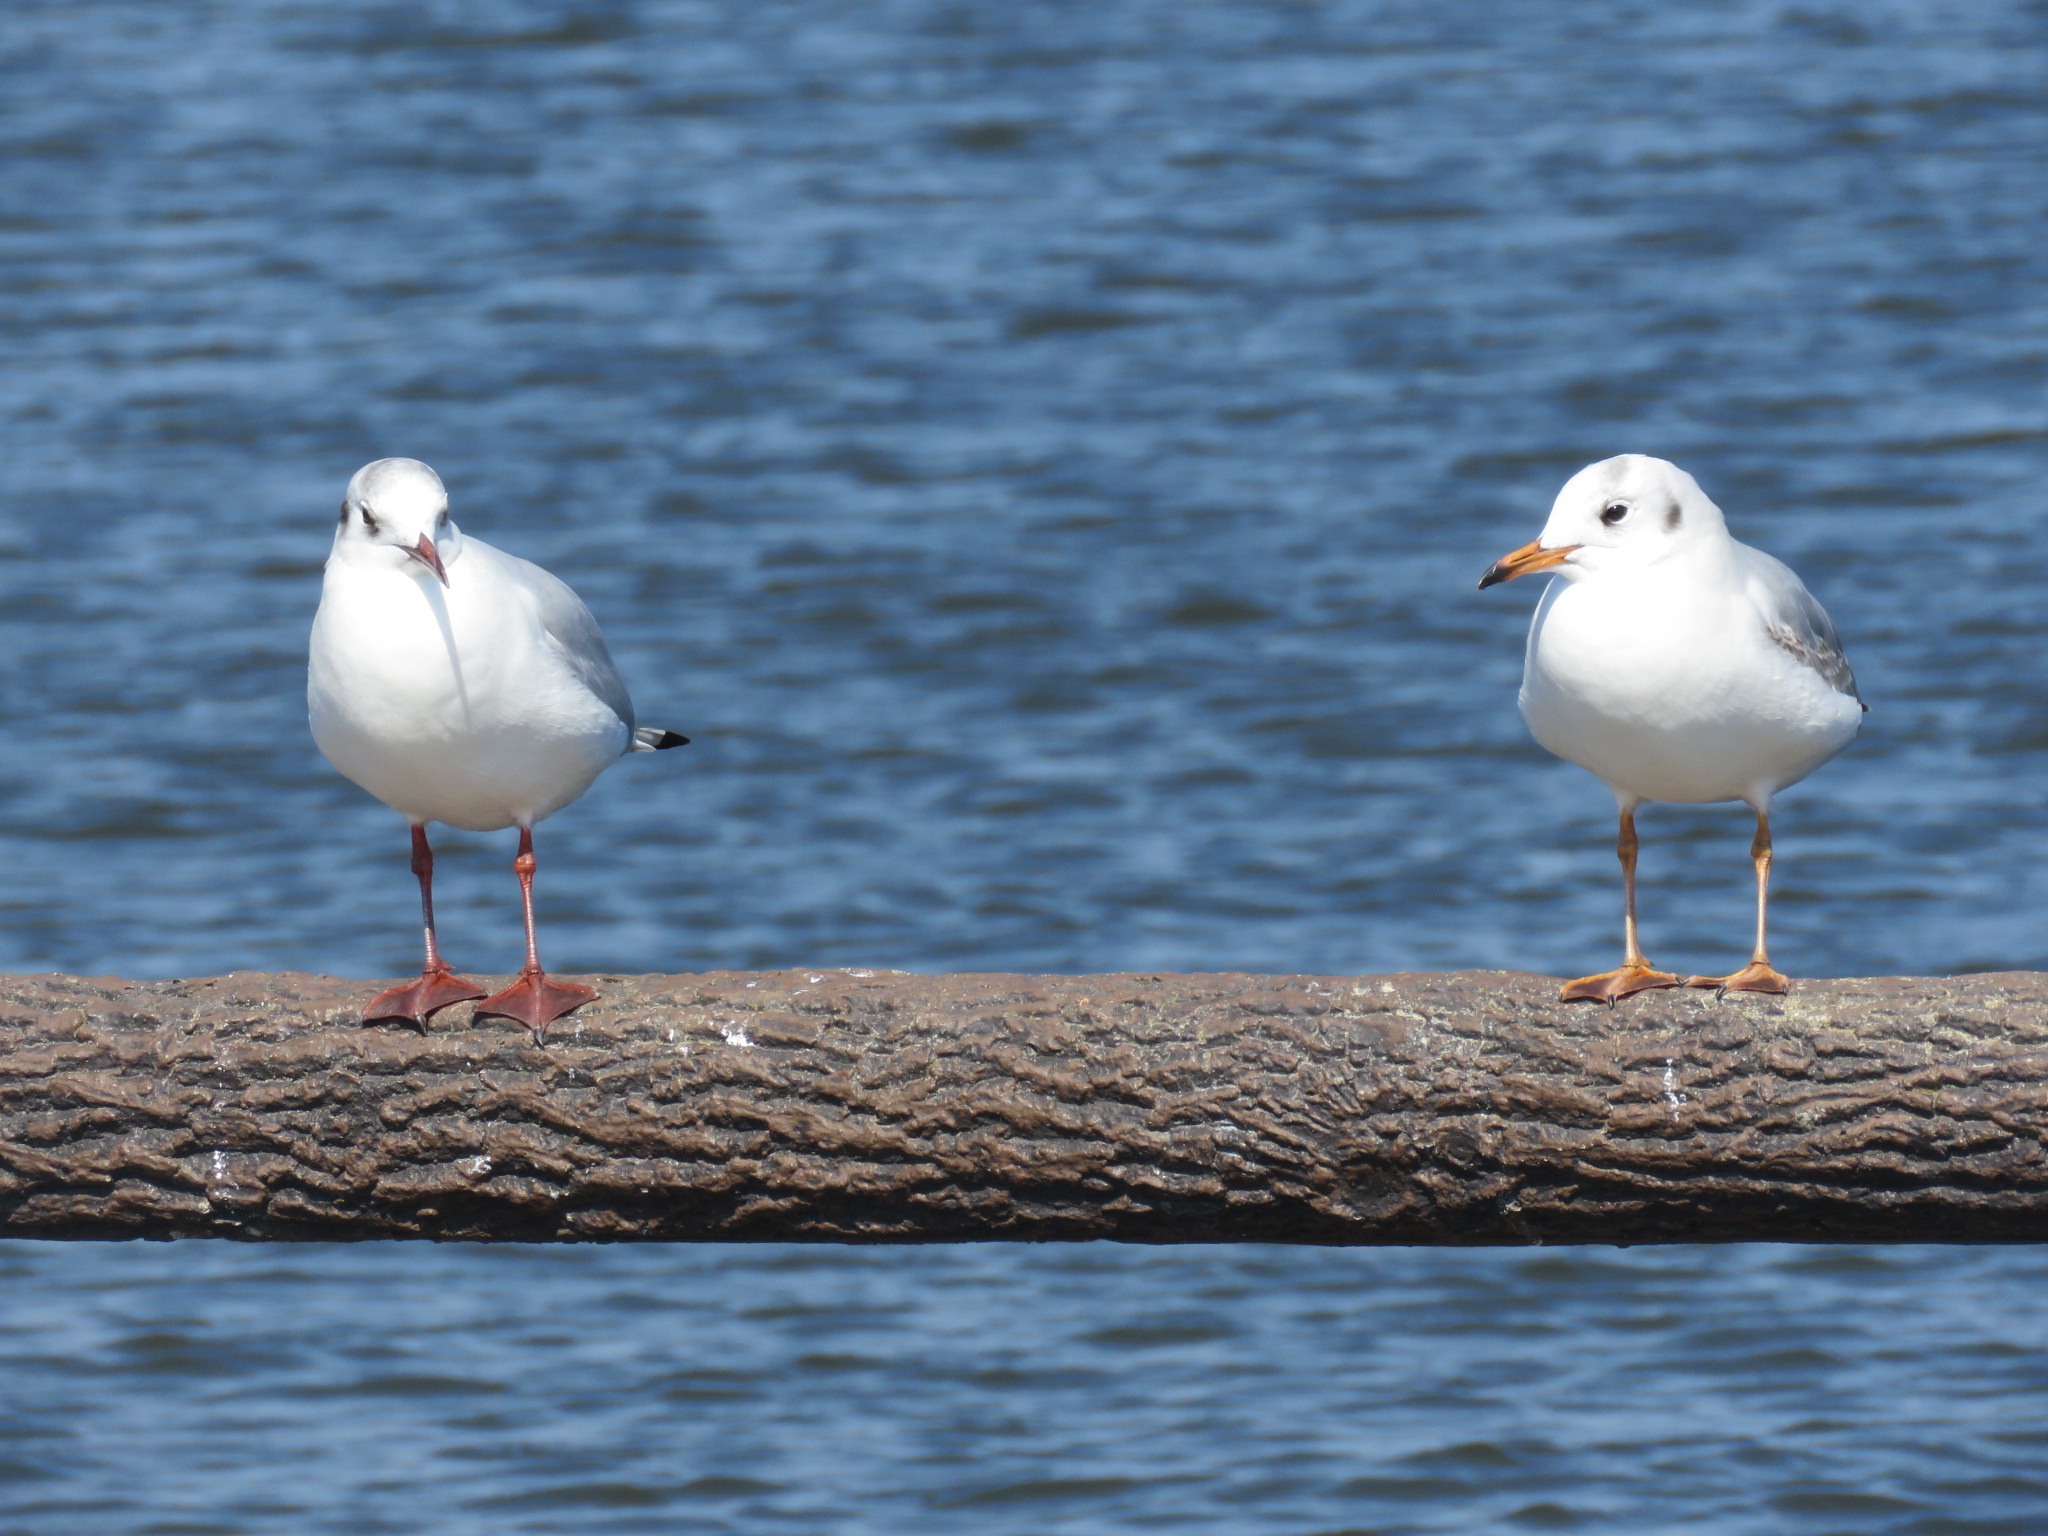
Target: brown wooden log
pixel 885 1107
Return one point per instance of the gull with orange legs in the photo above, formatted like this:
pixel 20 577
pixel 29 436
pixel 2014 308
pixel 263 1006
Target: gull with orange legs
pixel 460 684
pixel 1677 665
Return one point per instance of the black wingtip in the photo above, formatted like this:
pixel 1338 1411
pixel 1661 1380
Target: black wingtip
pixel 655 740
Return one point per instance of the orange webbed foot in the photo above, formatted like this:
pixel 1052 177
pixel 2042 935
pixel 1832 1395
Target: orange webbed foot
pixel 1757 976
pixel 1612 987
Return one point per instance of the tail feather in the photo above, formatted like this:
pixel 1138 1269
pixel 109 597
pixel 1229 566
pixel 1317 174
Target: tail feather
pixel 651 738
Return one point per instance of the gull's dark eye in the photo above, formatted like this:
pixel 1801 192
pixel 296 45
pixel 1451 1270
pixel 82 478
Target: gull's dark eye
pixel 1613 512
pixel 369 520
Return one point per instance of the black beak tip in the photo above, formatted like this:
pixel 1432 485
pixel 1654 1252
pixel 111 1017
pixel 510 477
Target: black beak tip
pixel 1494 576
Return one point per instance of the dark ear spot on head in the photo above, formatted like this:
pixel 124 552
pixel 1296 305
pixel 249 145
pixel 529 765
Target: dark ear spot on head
pixel 344 511
pixel 1673 517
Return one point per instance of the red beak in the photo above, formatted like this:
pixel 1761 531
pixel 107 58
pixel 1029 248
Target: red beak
pixel 430 557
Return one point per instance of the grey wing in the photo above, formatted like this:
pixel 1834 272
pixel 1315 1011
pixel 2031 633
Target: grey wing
pixel 574 633
pixel 1795 621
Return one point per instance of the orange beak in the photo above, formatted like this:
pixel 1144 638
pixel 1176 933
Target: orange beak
pixel 1530 557
pixel 430 557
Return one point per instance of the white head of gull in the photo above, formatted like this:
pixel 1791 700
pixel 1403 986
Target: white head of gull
pixel 460 684
pixel 1677 665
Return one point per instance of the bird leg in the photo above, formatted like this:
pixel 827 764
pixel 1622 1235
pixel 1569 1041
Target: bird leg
pixel 533 999
pixel 1635 974
pixel 1759 975
pixel 438 986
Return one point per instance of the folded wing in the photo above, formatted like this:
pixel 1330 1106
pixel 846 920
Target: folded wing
pixel 1795 621
pixel 573 632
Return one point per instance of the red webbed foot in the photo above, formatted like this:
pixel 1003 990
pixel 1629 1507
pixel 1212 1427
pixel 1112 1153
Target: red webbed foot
pixel 536 1001
pixel 437 988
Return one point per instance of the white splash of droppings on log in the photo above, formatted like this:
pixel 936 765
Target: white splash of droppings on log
pixel 863 975
pixel 477 1167
pixel 735 1035
pixel 1672 1096
pixel 220 1166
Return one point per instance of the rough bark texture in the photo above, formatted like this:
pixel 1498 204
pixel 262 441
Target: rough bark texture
pixel 884 1107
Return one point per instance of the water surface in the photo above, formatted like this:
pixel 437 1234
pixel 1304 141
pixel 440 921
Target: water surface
pixel 1043 455
pixel 1074 1389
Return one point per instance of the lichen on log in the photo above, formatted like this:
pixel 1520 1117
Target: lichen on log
pixel 867 1106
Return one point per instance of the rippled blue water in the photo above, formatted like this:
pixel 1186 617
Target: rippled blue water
pixel 1042 454
pixel 1019 1391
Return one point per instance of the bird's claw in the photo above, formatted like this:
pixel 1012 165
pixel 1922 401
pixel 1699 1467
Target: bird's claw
pixel 536 1001
pixel 1613 986
pixel 437 988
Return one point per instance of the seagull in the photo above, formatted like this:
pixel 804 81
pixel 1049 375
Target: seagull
pixel 1676 665
pixel 460 684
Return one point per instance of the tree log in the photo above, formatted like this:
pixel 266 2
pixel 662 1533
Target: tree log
pixel 884 1107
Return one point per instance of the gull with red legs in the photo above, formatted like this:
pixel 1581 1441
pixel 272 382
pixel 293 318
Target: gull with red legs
pixel 460 684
